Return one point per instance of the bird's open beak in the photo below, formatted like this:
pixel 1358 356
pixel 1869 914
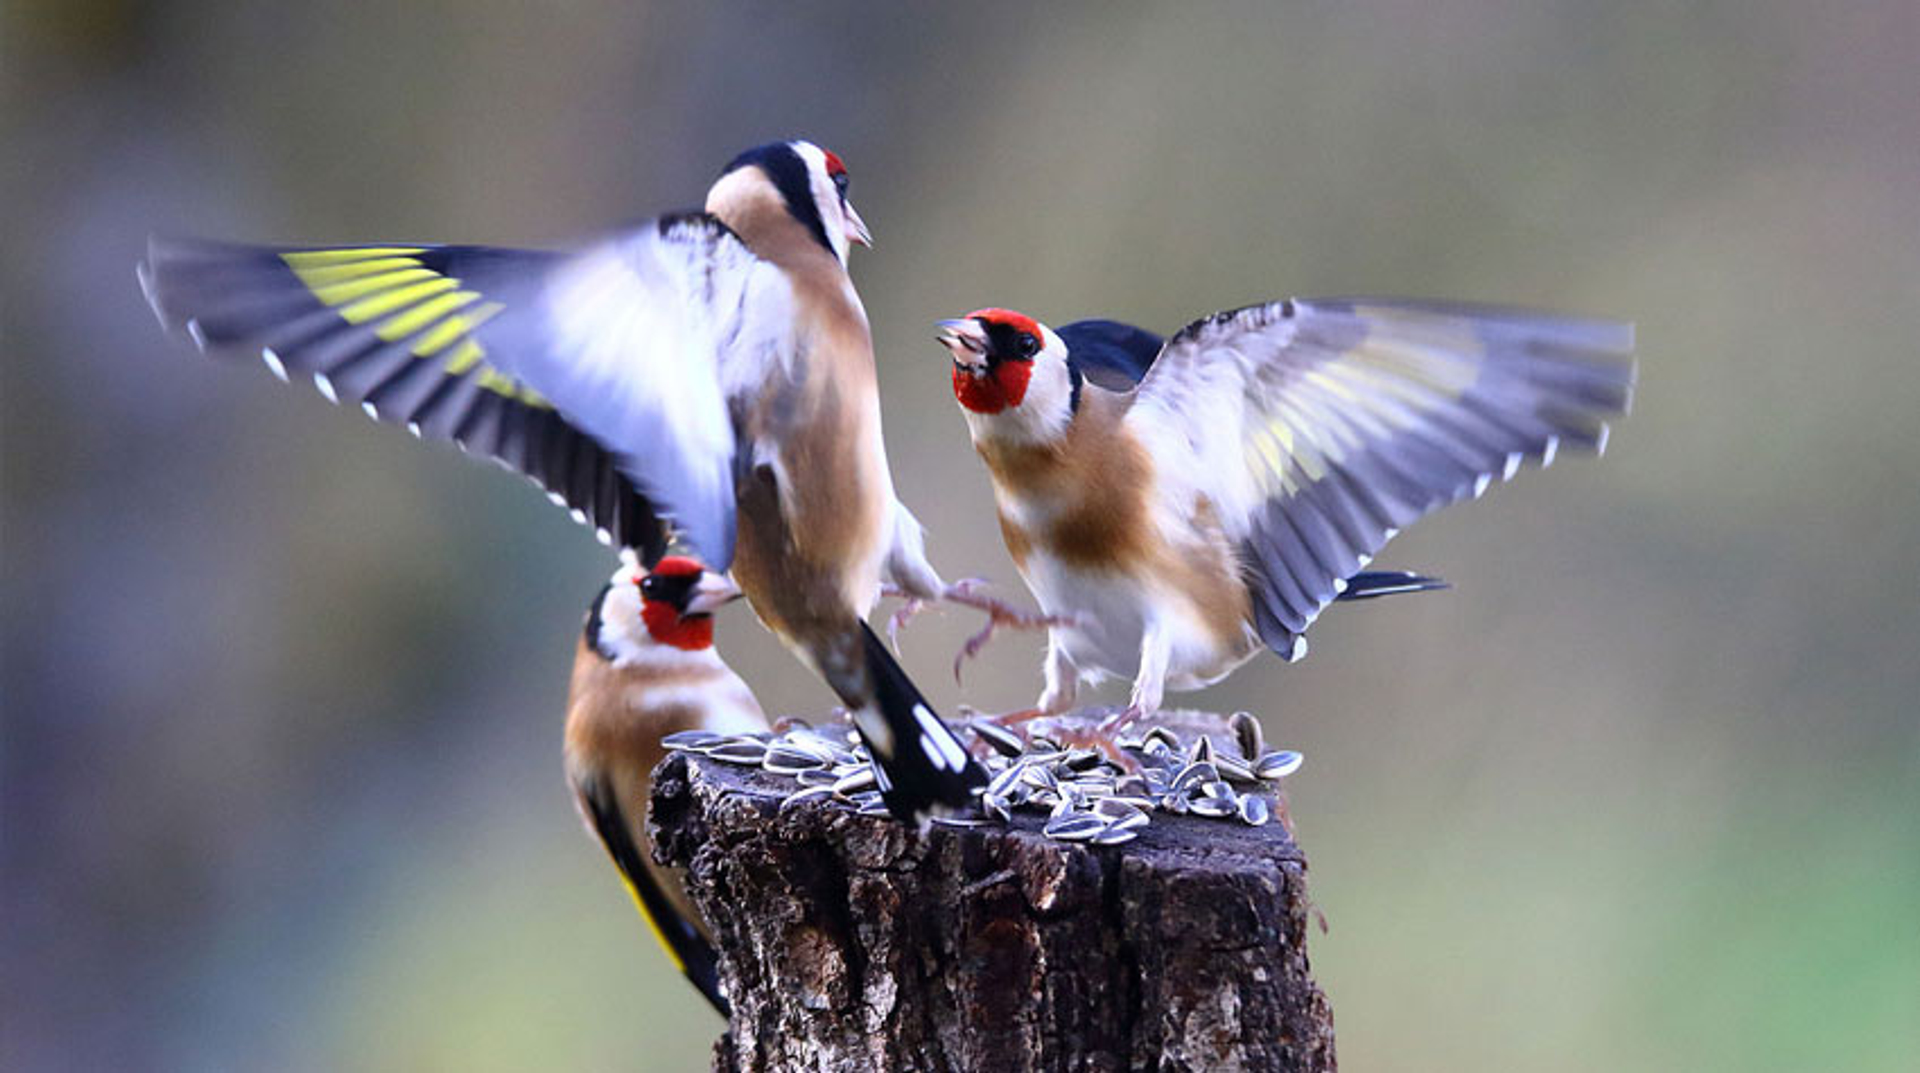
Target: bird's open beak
pixel 965 338
pixel 856 227
pixel 712 592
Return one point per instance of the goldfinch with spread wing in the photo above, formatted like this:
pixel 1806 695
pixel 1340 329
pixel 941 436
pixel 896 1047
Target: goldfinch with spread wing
pixel 711 370
pixel 1185 505
pixel 645 669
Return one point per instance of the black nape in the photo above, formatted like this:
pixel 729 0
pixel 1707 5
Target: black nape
pixel 783 166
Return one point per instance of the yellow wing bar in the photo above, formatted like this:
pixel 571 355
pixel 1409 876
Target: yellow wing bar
pixel 393 290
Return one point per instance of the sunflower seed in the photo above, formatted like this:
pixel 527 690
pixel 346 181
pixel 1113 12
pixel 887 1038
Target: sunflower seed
pixel 1163 735
pixel 1202 751
pixel 1233 769
pixel 860 778
pixel 1114 836
pixel 1040 777
pixel 693 741
pixel 739 751
pixel 1214 807
pixel 1004 741
pixel 960 821
pixel 1121 815
pixel 1248 734
pixel 1083 759
pixel 810 793
pixel 1255 811
pixel 996 806
pixel 818 776
pixel 782 759
pixel 1193 775
pixel 1074 827
pixel 1278 765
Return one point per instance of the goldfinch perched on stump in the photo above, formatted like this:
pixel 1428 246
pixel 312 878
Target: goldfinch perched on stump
pixel 645 669
pixel 1191 503
pixel 712 370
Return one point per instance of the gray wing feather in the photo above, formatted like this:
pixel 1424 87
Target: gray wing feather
pixel 1323 427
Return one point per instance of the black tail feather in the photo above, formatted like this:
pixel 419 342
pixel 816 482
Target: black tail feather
pixel 690 951
pixel 921 764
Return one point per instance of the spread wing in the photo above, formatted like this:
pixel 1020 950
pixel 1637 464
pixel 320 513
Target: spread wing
pixel 1321 428
pixel 601 374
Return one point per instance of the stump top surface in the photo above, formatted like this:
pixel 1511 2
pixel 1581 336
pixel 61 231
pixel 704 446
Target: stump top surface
pixel 1170 841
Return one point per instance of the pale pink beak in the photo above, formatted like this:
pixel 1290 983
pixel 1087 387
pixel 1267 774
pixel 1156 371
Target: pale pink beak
pixel 712 592
pixel 965 338
pixel 857 232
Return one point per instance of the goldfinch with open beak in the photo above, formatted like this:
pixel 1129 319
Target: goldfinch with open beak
pixel 646 668
pixel 711 370
pixel 1189 503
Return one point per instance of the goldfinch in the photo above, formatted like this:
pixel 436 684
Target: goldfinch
pixel 709 370
pixel 1183 505
pixel 646 668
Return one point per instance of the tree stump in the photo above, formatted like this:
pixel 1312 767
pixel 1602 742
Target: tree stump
pixel 853 942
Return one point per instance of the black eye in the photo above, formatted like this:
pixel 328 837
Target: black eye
pixel 1029 346
pixel 650 587
pixel 840 183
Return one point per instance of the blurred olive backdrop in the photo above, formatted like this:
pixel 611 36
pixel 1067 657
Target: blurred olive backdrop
pixel 283 689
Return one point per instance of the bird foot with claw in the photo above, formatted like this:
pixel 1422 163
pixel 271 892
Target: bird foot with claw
pixel 1104 737
pixel 910 607
pixel 968 592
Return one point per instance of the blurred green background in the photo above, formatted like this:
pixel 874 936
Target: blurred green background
pixel 283 690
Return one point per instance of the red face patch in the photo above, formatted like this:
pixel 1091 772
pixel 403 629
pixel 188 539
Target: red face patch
pixel 1005 382
pixel 664 621
pixel 834 164
pixel 1004 385
pixel 669 627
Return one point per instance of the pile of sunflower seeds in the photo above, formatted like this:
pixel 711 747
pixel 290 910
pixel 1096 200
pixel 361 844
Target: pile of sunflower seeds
pixel 1086 795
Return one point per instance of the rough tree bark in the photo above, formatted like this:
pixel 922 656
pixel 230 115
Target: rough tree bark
pixel 856 943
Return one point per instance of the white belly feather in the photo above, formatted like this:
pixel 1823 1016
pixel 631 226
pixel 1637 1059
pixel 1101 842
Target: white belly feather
pixel 1113 610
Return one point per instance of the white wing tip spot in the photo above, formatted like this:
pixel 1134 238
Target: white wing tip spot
pixel 556 498
pixel 144 273
pixel 413 427
pixel 198 336
pixel 1298 650
pixel 274 365
pixel 1513 466
pixel 938 742
pixel 579 516
pixel 325 387
pixel 1600 444
pixel 1480 484
pixel 1339 585
pixel 368 408
pixel 604 537
pixel 1546 453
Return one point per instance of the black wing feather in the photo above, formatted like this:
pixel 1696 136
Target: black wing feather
pixel 396 330
pixel 1112 355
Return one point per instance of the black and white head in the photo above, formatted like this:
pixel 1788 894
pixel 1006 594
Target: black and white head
pixel 640 612
pixel 809 182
